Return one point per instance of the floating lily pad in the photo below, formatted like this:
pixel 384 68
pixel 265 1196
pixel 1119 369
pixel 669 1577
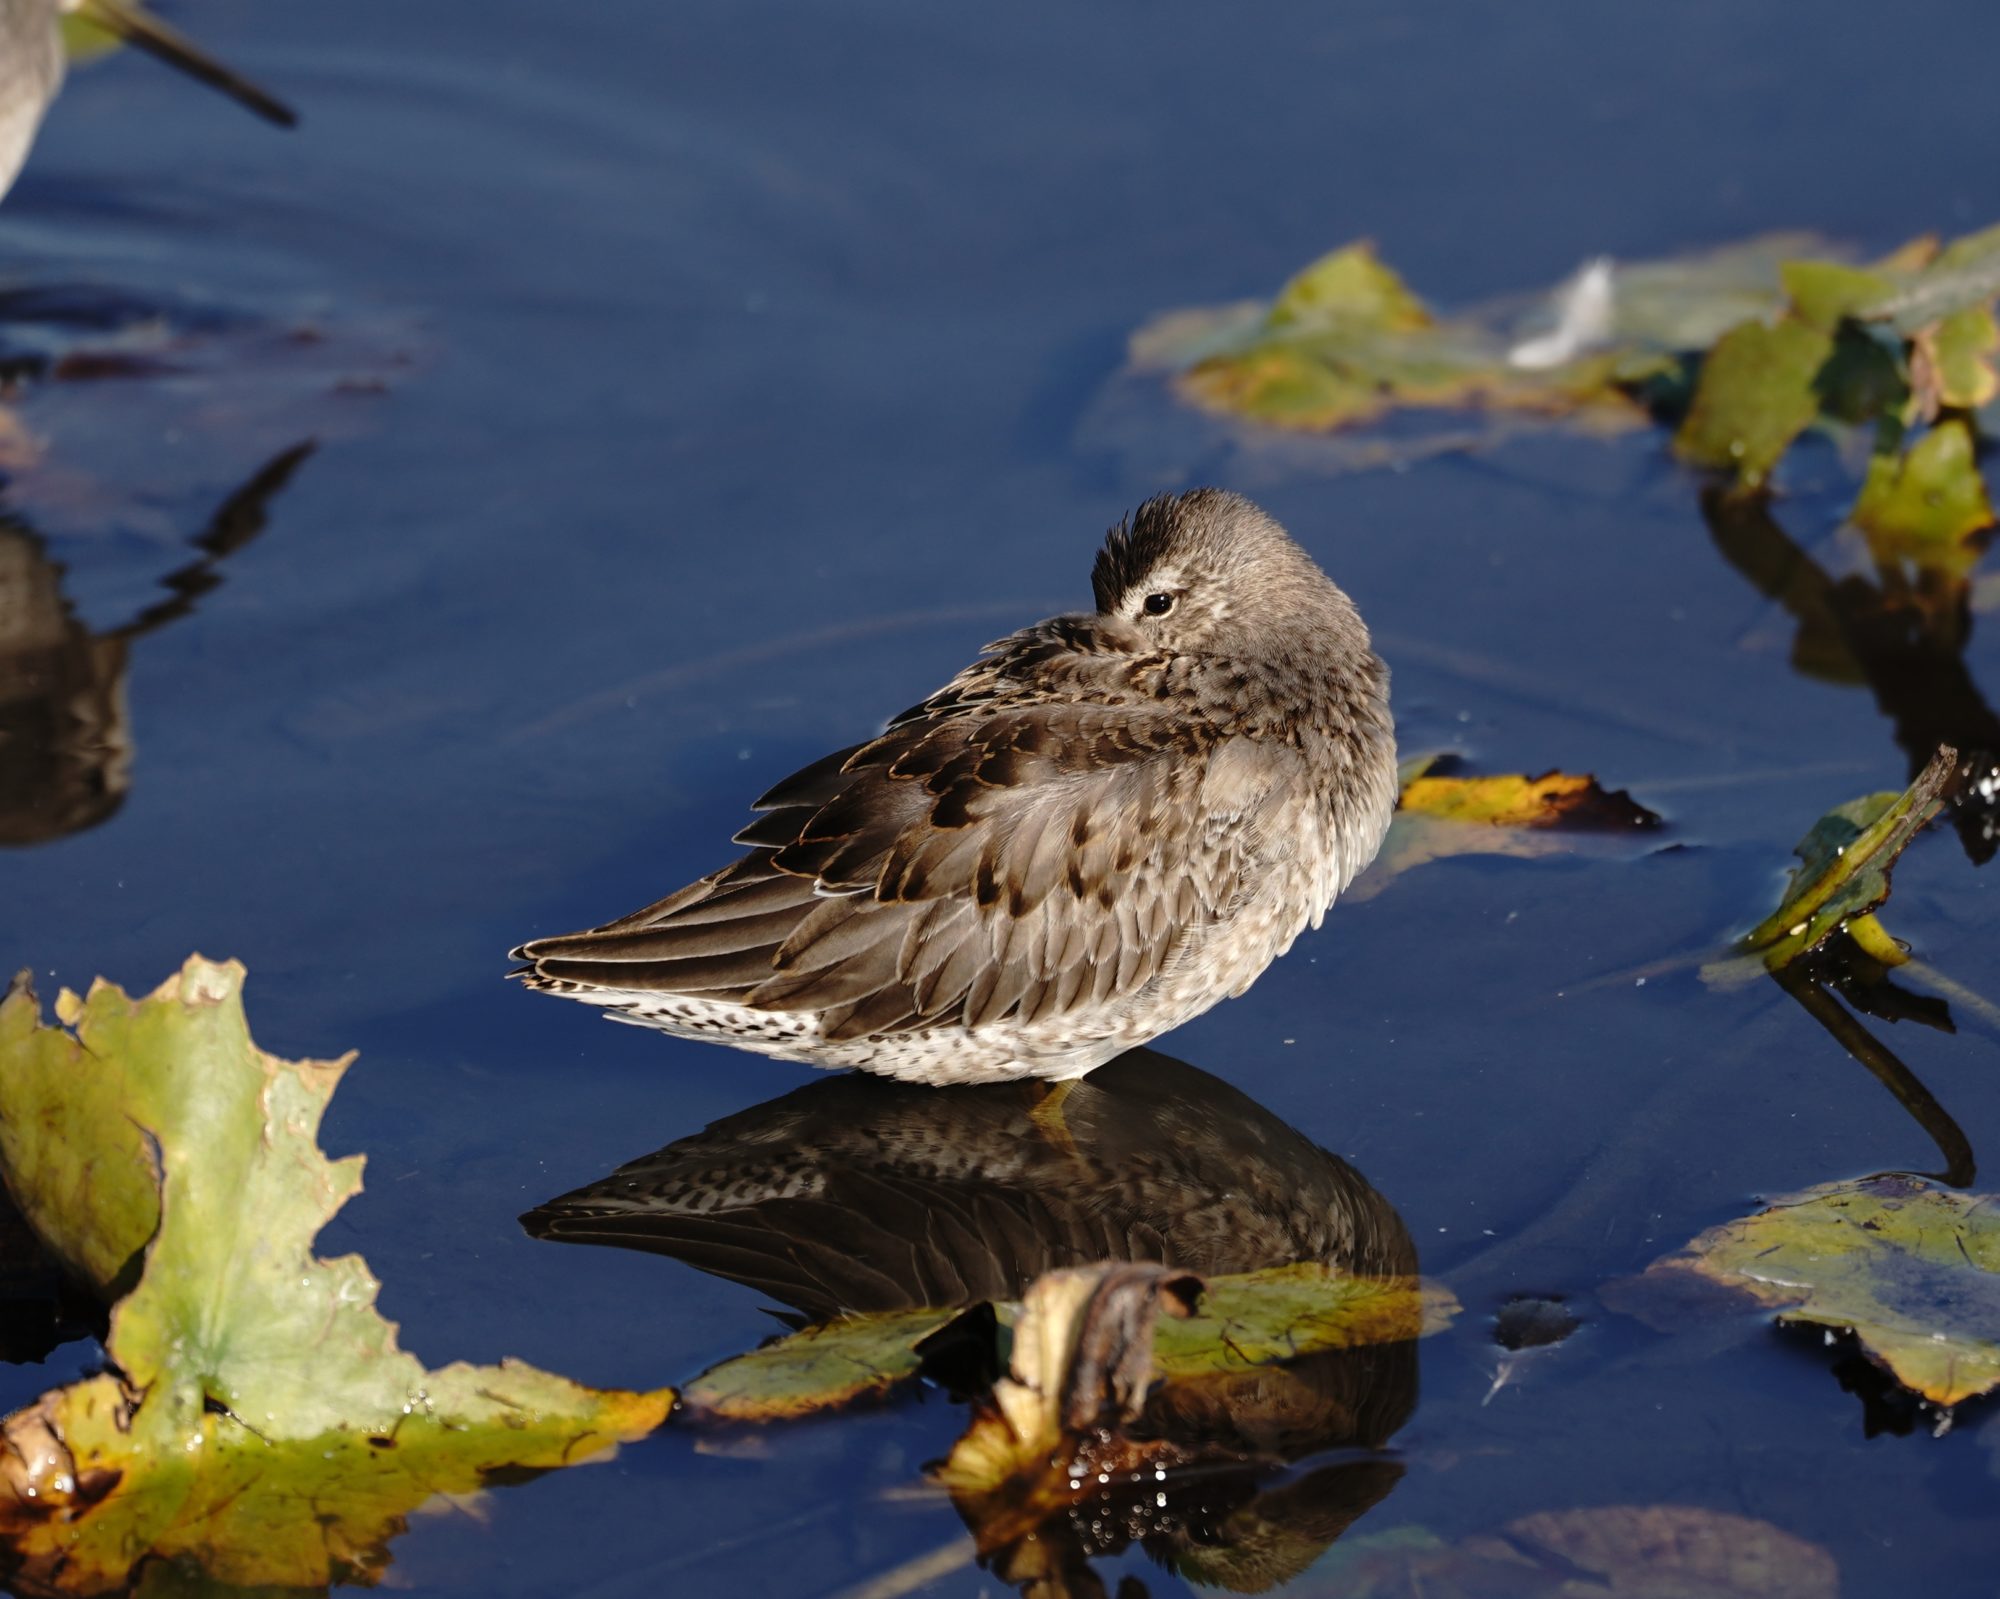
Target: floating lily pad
pixel 1260 1318
pixel 260 1426
pixel 1927 503
pixel 1964 273
pixel 820 1368
pixel 1749 346
pixel 1243 1320
pixel 1826 293
pixel 1346 341
pixel 1609 1552
pixel 1350 283
pixel 1758 392
pixel 1952 360
pixel 1910 1268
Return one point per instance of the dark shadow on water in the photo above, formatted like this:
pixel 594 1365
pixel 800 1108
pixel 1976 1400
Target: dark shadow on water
pixel 856 1195
pixel 1834 971
pixel 1903 635
pixel 65 728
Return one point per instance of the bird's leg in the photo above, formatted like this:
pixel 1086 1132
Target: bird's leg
pixel 1047 1115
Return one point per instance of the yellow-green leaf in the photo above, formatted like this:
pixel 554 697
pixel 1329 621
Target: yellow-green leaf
pixel 1350 284
pixel 1962 347
pixel 1844 865
pixel 820 1368
pixel 1263 1317
pixel 1756 394
pixel 1911 1268
pixel 1825 292
pixel 1925 503
pixel 260 1424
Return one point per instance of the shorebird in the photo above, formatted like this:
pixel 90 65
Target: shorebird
pixel 32 59
pixel 1103 826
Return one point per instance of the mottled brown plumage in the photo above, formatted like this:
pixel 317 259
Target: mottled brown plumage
pixel 1100 828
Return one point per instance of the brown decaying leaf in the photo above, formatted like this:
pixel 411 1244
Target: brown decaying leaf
pixel 1511 815
pixel 1554 799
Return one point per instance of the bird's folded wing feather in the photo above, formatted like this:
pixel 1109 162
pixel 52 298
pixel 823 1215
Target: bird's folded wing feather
pixel 984 858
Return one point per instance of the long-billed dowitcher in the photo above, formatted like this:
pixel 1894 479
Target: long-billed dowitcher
pixel 1103 826
pixel 31 66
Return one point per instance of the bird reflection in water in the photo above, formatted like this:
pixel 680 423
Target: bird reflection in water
pixel 65 731
pixel 858 1195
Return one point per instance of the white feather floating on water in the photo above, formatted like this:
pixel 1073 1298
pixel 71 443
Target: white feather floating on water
pixel 1583 320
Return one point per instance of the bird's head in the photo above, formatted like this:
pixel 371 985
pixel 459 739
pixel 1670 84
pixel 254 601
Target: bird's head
pixel 1207 572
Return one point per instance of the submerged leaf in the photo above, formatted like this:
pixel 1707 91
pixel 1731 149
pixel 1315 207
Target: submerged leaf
pixel 260 1425
pixel 1844 865
pixel 1610 1551
pixel 1911 1269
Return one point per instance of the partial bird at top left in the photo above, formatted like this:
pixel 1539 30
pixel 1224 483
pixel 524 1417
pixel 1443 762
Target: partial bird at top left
pixel 32 60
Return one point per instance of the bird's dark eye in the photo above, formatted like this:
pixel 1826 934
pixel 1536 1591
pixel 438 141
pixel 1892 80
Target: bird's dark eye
pixel 1159 604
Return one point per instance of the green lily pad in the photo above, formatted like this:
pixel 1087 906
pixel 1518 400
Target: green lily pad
pixel 1960 351
pixel 1910 1268
pixel 819 1368
pixel 1244 1319
pixel 261 1425
pixel 1264 1317
pixel 1964 273
pixel 1824 293
pixel 1758 392
pixel 1346 341
pixel 1349 283
pixel 1843 871
pixel 1927 502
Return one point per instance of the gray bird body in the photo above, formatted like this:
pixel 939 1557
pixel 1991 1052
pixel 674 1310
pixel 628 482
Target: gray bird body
pixel 1102 827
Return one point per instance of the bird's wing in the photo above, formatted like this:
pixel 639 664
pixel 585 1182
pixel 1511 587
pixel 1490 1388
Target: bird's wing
pixel 993 854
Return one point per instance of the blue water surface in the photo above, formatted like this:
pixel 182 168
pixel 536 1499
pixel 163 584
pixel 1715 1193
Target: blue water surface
pixel 699 384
